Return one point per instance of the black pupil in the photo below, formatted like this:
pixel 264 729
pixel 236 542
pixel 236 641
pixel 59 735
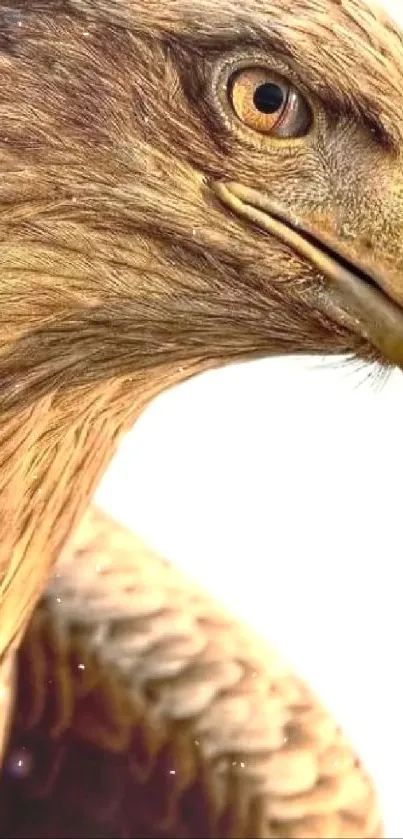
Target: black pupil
pixel 268 98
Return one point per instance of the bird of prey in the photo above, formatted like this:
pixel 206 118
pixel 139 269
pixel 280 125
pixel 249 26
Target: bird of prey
pixel 183 185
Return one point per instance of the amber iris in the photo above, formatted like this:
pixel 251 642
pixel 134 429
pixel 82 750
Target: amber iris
pixel 267 104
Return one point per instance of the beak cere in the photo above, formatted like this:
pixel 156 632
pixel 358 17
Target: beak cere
pixel 360 293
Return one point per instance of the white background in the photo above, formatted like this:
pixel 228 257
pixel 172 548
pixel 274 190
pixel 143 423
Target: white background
pixel 278 485
pixel 394 8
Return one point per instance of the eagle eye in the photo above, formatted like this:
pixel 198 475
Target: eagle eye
pixel 268 104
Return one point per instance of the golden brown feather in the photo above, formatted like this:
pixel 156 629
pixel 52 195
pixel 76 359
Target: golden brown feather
pixel 124 270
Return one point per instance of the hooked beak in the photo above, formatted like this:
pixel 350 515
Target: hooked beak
pixel 361 291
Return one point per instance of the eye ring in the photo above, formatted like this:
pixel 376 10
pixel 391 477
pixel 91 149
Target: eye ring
pixel 268 104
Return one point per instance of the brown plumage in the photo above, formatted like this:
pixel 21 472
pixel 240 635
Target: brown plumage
pixel 126 266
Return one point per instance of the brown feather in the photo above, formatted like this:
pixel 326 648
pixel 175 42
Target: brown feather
pixel 120 272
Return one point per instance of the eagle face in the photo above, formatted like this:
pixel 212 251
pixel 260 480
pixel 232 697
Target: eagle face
pixel 215 182
pixel 182 185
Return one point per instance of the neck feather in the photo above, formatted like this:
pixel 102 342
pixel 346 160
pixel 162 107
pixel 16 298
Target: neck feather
pixel 52 456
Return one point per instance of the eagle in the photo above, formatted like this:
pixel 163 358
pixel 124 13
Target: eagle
pixel 184 185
